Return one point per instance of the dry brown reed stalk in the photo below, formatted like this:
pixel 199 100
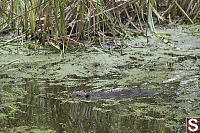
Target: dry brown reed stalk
pixel 185 9
pixel 93 22
pixel 77 23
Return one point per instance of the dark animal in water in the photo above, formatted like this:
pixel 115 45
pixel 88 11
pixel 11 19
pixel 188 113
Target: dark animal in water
pixel 113 94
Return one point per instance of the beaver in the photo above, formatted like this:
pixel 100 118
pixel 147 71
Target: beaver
pixel 113 94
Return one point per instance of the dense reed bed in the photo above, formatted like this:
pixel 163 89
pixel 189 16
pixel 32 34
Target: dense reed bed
pixel 67 24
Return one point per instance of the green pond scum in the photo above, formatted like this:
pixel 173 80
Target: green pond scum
pixel 36 86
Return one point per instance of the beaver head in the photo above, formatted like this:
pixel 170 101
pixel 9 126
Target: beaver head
pixel 80 95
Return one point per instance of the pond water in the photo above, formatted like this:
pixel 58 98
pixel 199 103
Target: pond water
pixel 35 86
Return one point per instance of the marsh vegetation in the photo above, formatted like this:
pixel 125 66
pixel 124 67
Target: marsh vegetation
pixel 106 45
pixel 69 24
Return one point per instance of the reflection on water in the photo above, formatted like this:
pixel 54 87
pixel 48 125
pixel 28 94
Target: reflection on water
pixel 46 107
pixel 37 105
pixel 35 93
